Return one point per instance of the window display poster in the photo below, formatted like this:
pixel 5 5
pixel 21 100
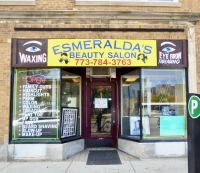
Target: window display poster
pixel 171 125
pixel 165 110
pixel 135 125
pixel 69 122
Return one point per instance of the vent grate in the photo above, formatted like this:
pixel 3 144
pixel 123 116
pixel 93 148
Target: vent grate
pixel 100 71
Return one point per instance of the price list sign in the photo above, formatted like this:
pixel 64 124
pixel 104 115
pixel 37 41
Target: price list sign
pixel 35 114
pixel 69 122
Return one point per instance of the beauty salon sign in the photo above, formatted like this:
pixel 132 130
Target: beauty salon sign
pixel 101 52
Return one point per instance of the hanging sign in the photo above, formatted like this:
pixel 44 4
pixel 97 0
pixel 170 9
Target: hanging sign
pixel 101 52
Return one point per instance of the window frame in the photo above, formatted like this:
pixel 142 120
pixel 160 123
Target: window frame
pixel 79 108
pixel 15 120
pixel 141 138
pixel 58 139
pixel 18 2
pixel 136 116
pixel 168 103
pixel 147 3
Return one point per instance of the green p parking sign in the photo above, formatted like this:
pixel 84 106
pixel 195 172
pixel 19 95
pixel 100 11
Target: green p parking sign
pixel 194 106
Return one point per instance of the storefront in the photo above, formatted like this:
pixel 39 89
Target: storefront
pixel 72 94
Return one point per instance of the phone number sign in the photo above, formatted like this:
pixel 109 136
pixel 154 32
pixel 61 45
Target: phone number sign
pixel 101 52
pixel 104 62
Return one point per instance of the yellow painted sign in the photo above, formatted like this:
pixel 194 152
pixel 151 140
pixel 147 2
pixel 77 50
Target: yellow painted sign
pixel 101 52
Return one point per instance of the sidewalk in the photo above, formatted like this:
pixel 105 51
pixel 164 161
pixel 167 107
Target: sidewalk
pixel 77 164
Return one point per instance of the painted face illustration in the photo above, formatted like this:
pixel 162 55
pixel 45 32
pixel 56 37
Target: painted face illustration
pixel 66 61
pixel 142 56
pixel 63 57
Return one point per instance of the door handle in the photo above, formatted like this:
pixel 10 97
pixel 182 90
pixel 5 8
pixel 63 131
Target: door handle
pixel 113 115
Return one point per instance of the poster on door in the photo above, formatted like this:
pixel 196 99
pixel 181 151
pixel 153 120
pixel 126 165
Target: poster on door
pixel 101 103
pixel 69 122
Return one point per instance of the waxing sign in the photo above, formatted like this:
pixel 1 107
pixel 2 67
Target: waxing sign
pixel 30 53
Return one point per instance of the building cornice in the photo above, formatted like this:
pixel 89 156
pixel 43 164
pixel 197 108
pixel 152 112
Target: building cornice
pixel 97 19
pixel 117 15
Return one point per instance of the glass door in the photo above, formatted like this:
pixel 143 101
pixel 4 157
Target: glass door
pixel 101 114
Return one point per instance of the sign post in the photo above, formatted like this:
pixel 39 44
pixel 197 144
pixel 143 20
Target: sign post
pixel 193 131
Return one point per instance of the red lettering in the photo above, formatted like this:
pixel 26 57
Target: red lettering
pixel 36 79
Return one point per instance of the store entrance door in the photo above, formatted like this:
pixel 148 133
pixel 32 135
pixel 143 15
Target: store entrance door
pixel 101 114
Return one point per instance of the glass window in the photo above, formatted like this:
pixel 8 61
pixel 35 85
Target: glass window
pixel 163 103
pixel 130 94
pixel 71 98
pixel 101 104
pixel 36 104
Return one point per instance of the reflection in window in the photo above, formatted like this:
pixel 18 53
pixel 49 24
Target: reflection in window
pixel 130 94
pixel 163 103
pixel 71 94
pixel 101 103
